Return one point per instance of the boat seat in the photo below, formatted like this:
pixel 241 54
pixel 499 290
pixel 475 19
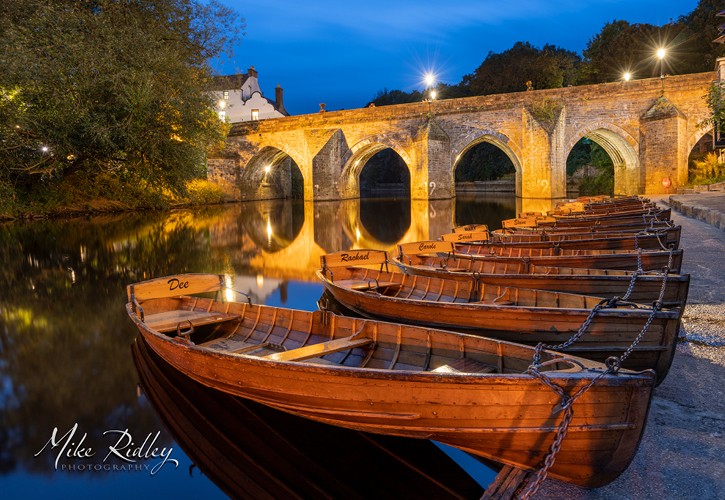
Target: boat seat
pixel 492 303
pixel 465 365
pixel 317 350
pixel 240 347
pixel 170 320
pixel 227 345
pixel 454 269
pixel 366 285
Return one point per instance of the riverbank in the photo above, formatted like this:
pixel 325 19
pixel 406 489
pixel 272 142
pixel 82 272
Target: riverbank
pixel 682 452
pixel 76 197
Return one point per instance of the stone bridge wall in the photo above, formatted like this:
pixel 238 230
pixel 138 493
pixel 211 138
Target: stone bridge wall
pixel 648 133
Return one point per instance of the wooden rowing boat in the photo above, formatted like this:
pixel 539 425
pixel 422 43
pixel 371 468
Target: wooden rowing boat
pixel 626 260
pixel 508 313
pixel 252 451
pixel 606 283
pixel 642 221
pixel 630 227
pixel 465 391
pixel 602 220
pixel 665 236
pixel 585 241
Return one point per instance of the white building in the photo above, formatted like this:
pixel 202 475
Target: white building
pixel 239 98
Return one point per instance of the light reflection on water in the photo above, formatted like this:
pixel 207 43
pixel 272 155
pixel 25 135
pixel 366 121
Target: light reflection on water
pixel 65 334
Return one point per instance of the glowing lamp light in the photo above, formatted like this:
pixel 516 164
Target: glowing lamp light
pixel 433 95
pixel 222 104
pixel 661 53
pixel 228 292
pixel 267 169
pixel 627 76
pixel 44 149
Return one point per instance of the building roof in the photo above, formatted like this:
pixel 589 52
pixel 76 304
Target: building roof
pixel 229 82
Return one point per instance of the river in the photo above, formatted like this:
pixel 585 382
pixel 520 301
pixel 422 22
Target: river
pixel 65 338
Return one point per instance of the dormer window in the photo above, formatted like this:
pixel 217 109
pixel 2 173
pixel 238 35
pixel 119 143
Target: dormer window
pixel 255 114
pixel 226 95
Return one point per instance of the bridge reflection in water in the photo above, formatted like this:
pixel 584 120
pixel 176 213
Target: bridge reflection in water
pixel 284 239
pixel 251 451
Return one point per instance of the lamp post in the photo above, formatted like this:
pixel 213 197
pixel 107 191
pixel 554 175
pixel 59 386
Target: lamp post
pixel 431 93
pixel 661 55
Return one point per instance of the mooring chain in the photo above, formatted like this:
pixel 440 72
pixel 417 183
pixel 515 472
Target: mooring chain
pixel 577 335
pixel 561 432
pixel 612 363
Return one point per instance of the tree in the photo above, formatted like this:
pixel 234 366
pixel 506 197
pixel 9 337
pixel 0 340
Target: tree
pixel 703 23
pixel 621 47
pixel 100 87
pixel 715 98
pixel 546 68
pixel 385 97
pixel 483 162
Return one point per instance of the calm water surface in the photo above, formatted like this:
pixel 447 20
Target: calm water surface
pixel 65 337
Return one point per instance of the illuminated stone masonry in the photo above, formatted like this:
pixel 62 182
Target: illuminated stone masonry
pixel 647 133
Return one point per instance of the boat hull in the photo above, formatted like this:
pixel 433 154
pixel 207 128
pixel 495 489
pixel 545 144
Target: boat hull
pixel 604 283
pixel 610 334
pixel 507 418
pixel 581 259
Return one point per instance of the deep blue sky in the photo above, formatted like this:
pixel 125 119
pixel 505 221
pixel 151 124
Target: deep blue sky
pixel 341 53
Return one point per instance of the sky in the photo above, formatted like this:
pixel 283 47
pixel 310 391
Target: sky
pixel 342 53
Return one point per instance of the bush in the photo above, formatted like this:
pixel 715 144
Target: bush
pixel 706 169
pixel 601 184
pixel 202 192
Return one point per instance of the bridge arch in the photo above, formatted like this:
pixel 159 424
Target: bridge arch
pixel 358 155
pixel 475 137
pixel 621 147
pixel 269 173
pixel 684 173
pixel 695 138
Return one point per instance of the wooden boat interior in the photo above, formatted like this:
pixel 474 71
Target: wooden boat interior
pixel 421 288
pixel 519 252
pixel 665 235
pixel 323 338
pixel 458 264
pixel 627 226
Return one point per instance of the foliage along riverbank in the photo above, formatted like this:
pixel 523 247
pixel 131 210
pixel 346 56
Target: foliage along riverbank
pixel 79 194
pixel 130 125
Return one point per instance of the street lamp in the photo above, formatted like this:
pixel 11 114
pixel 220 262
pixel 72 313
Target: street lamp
pixel 661 55
pixel 627 77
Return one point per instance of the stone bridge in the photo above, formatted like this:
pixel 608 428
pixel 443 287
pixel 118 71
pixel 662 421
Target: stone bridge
pixel 647 132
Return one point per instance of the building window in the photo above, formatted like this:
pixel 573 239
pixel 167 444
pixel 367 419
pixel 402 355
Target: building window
pixel 222 115
pixel 226 94
pixel 255 114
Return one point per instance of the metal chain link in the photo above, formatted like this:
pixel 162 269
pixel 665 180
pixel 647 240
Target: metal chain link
pixel 613 365
pixel 541 474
